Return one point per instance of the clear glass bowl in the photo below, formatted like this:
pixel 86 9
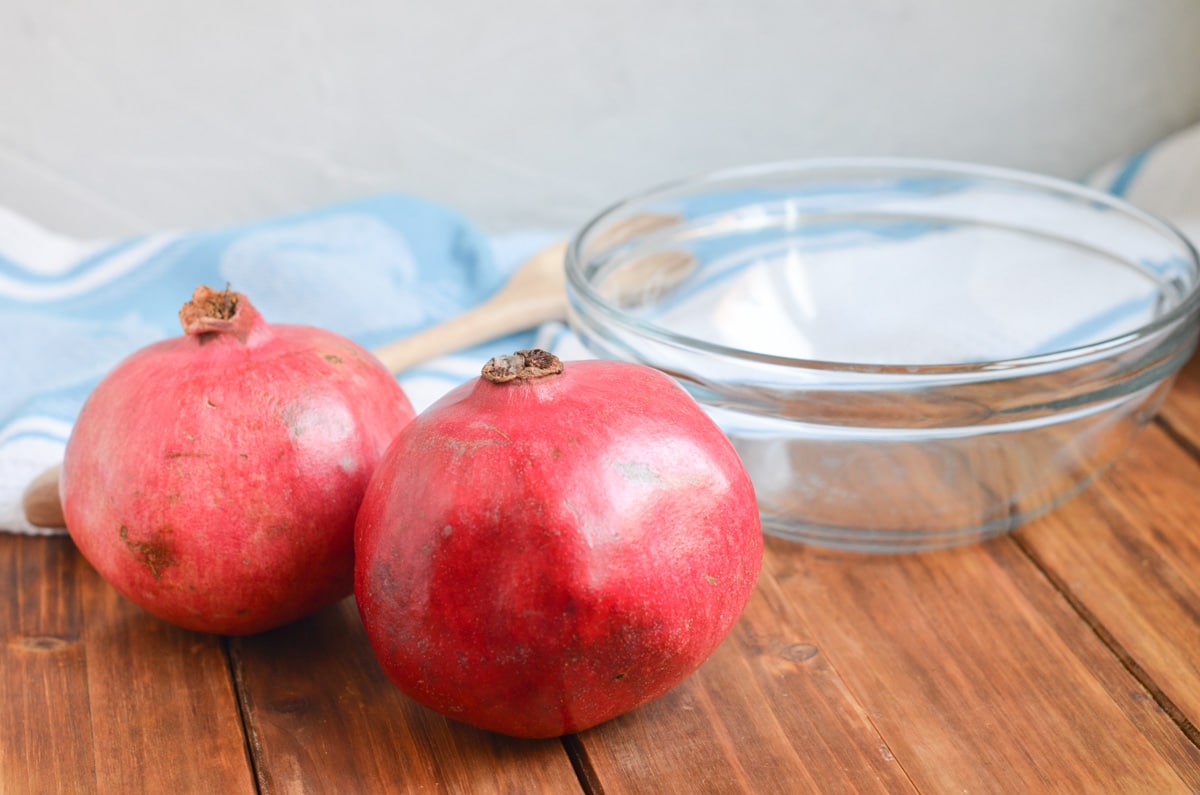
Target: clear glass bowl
pixel 906 354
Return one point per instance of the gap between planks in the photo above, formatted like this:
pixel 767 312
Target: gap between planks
pixel 1126 659
pixel 1110 642
pixel 589 780
pixel 235 682
pixel 1178 437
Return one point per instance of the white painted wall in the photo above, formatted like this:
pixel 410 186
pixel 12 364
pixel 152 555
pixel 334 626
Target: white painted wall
pixel 131 115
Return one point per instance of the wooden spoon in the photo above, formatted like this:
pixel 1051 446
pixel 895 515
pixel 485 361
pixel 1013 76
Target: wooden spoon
pixel 534 294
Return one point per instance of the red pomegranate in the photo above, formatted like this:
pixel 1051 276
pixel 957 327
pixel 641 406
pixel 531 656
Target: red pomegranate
pixel 550 546
pixel 214 478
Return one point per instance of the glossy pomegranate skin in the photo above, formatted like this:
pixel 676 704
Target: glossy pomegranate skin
pixel 538 557
pixel 214 479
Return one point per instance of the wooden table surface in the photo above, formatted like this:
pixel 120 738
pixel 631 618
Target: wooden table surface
pixel 1063 658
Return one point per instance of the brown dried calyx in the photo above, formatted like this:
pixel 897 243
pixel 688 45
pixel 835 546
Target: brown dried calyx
pixel 211 311
pixel 523 366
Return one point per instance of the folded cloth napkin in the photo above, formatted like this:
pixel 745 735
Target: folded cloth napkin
pixel 373 270
pixel 1163 179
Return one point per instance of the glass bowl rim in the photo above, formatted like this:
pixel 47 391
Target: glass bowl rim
pixel 589 296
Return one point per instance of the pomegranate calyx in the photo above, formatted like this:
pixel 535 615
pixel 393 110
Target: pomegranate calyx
pixel 522 365
pixel 215 312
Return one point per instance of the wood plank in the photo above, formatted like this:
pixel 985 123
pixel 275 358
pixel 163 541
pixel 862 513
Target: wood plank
pixel 1181 409
pixel 45 731
pixel 164 714
pixel 1128 553
pixel 978 674
pixel 322 717
pixel 101 697
pixel 766 713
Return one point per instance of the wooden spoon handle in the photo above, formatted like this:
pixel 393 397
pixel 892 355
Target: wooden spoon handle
pixel 535 295
pixel 40 500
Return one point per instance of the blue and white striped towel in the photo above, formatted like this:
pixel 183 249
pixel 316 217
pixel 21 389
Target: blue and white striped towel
pixel 1163 179
pixel 373 270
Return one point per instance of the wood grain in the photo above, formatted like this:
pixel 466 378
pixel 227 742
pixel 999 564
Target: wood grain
pixel 164 714
pixel 961 670
pixel 322 717
pixel 979 676
pixel 1181 409
pixel 45 727
pixel 1127 552
pixel 766 713
pixel 99 696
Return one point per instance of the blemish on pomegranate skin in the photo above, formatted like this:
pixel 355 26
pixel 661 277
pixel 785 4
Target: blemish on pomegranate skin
pixel 332 358
pixel 155 555
pixel 209 403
